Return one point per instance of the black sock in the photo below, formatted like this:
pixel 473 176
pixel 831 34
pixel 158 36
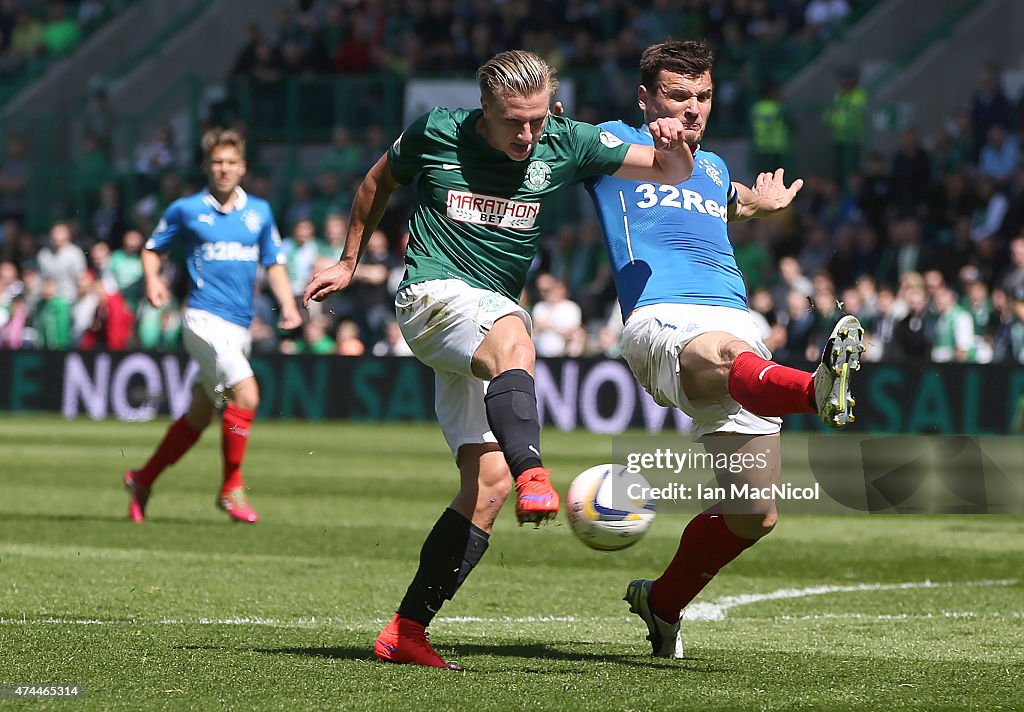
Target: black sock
pixel 454 546
pixel 511 406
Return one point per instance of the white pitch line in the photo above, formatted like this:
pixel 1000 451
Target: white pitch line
pixel 699 611
pixel 716 610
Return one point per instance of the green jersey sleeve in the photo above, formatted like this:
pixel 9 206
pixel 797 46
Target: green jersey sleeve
pixel 406 155
pixel 599 152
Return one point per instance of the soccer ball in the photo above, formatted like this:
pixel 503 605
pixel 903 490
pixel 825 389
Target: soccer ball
pixel 594 517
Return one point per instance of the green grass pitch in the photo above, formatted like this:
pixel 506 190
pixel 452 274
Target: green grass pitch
pixel 189 611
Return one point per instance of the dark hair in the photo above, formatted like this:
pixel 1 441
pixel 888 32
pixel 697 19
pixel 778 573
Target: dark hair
pixel 691 58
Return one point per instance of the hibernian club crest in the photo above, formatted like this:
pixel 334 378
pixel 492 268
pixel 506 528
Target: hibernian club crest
pixel 538 175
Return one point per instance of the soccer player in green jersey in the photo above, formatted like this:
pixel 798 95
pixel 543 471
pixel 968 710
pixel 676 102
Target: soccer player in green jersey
pixel 483 176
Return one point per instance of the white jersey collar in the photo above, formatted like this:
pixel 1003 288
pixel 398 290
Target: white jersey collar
pixel 241 198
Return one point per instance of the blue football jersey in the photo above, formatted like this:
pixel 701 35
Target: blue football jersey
pixel 669 243
pixel 222 250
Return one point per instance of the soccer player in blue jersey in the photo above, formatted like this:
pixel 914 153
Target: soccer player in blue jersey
pixel 484 179
pixel 689 337
pixel 227 235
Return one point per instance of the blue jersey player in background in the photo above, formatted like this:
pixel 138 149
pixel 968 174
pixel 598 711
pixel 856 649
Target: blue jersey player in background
pixel 689 337
pixel 228 235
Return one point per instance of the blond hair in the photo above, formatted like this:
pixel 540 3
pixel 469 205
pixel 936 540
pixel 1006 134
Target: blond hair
pixel 516 73
pixel 215 138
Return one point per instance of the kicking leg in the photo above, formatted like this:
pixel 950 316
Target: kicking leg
pixel 506 358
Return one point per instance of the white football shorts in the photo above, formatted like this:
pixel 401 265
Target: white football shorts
pixel 220 348
pixel 651 341
pixel 444 321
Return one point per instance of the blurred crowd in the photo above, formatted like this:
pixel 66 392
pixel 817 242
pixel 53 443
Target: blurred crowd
pixel 925 243
pixel 34 32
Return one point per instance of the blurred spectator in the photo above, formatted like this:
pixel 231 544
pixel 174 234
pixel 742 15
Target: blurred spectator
pixel 300 202
pixel 912 336
pixel 991 209
pixel 125 268
pixel 60 33
pixel 99 118
pixel 845 119
pixel 108 224
pixel 557 320
pixel 1014 277
pixel 369 289
pixel 999 155
pixel 159 328
pixel 83 309
pixel 51 318
pixel 113 323
pixel 157 154
pixel 393 343
pixel 770 126
pixel 315 339
pixel 301 250
pixel 13 180
pixel 27 38
pixel 14 331
pixel 342 156
pixel 989 105
pixel 910 177
pixel 1009 341
pixel 347 341
pixel 62 261
pixel 954 330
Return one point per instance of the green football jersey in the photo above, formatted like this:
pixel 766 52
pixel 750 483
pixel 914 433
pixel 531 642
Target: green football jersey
pixel 478 211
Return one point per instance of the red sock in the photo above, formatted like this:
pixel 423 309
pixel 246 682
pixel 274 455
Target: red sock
pixel 177 441
pixel 769 389
pixel 234 433
pixel 705 547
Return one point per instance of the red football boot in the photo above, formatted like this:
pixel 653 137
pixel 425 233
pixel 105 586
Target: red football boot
pixel 404 641
pixel 233 502
pixel 537 500
pixel 140 496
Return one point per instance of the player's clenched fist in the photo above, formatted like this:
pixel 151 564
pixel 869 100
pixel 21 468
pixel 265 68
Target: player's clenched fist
pixel 667 133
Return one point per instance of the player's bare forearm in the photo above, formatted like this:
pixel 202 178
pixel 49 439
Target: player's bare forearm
pixel 768 195
pixel 367 209
pixel 280 286
pixel 668 161
pixel 156 290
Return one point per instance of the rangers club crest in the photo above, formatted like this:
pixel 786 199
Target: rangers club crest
pixel 713 171
pixel 252 220
pixel 538 175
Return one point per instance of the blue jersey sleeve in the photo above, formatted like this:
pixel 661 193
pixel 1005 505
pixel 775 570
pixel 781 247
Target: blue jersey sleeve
pixel 271 252
pixel 169 229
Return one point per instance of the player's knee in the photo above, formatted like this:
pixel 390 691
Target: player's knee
pixel 522 355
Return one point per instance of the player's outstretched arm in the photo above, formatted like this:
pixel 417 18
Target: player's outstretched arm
pixel 367 209
pixel 768 195
pixel 669 161
pixel 280 285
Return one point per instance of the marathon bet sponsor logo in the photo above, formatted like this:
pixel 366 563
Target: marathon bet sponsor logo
pixel 538 175
pixel 477 209
pixel 610 140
